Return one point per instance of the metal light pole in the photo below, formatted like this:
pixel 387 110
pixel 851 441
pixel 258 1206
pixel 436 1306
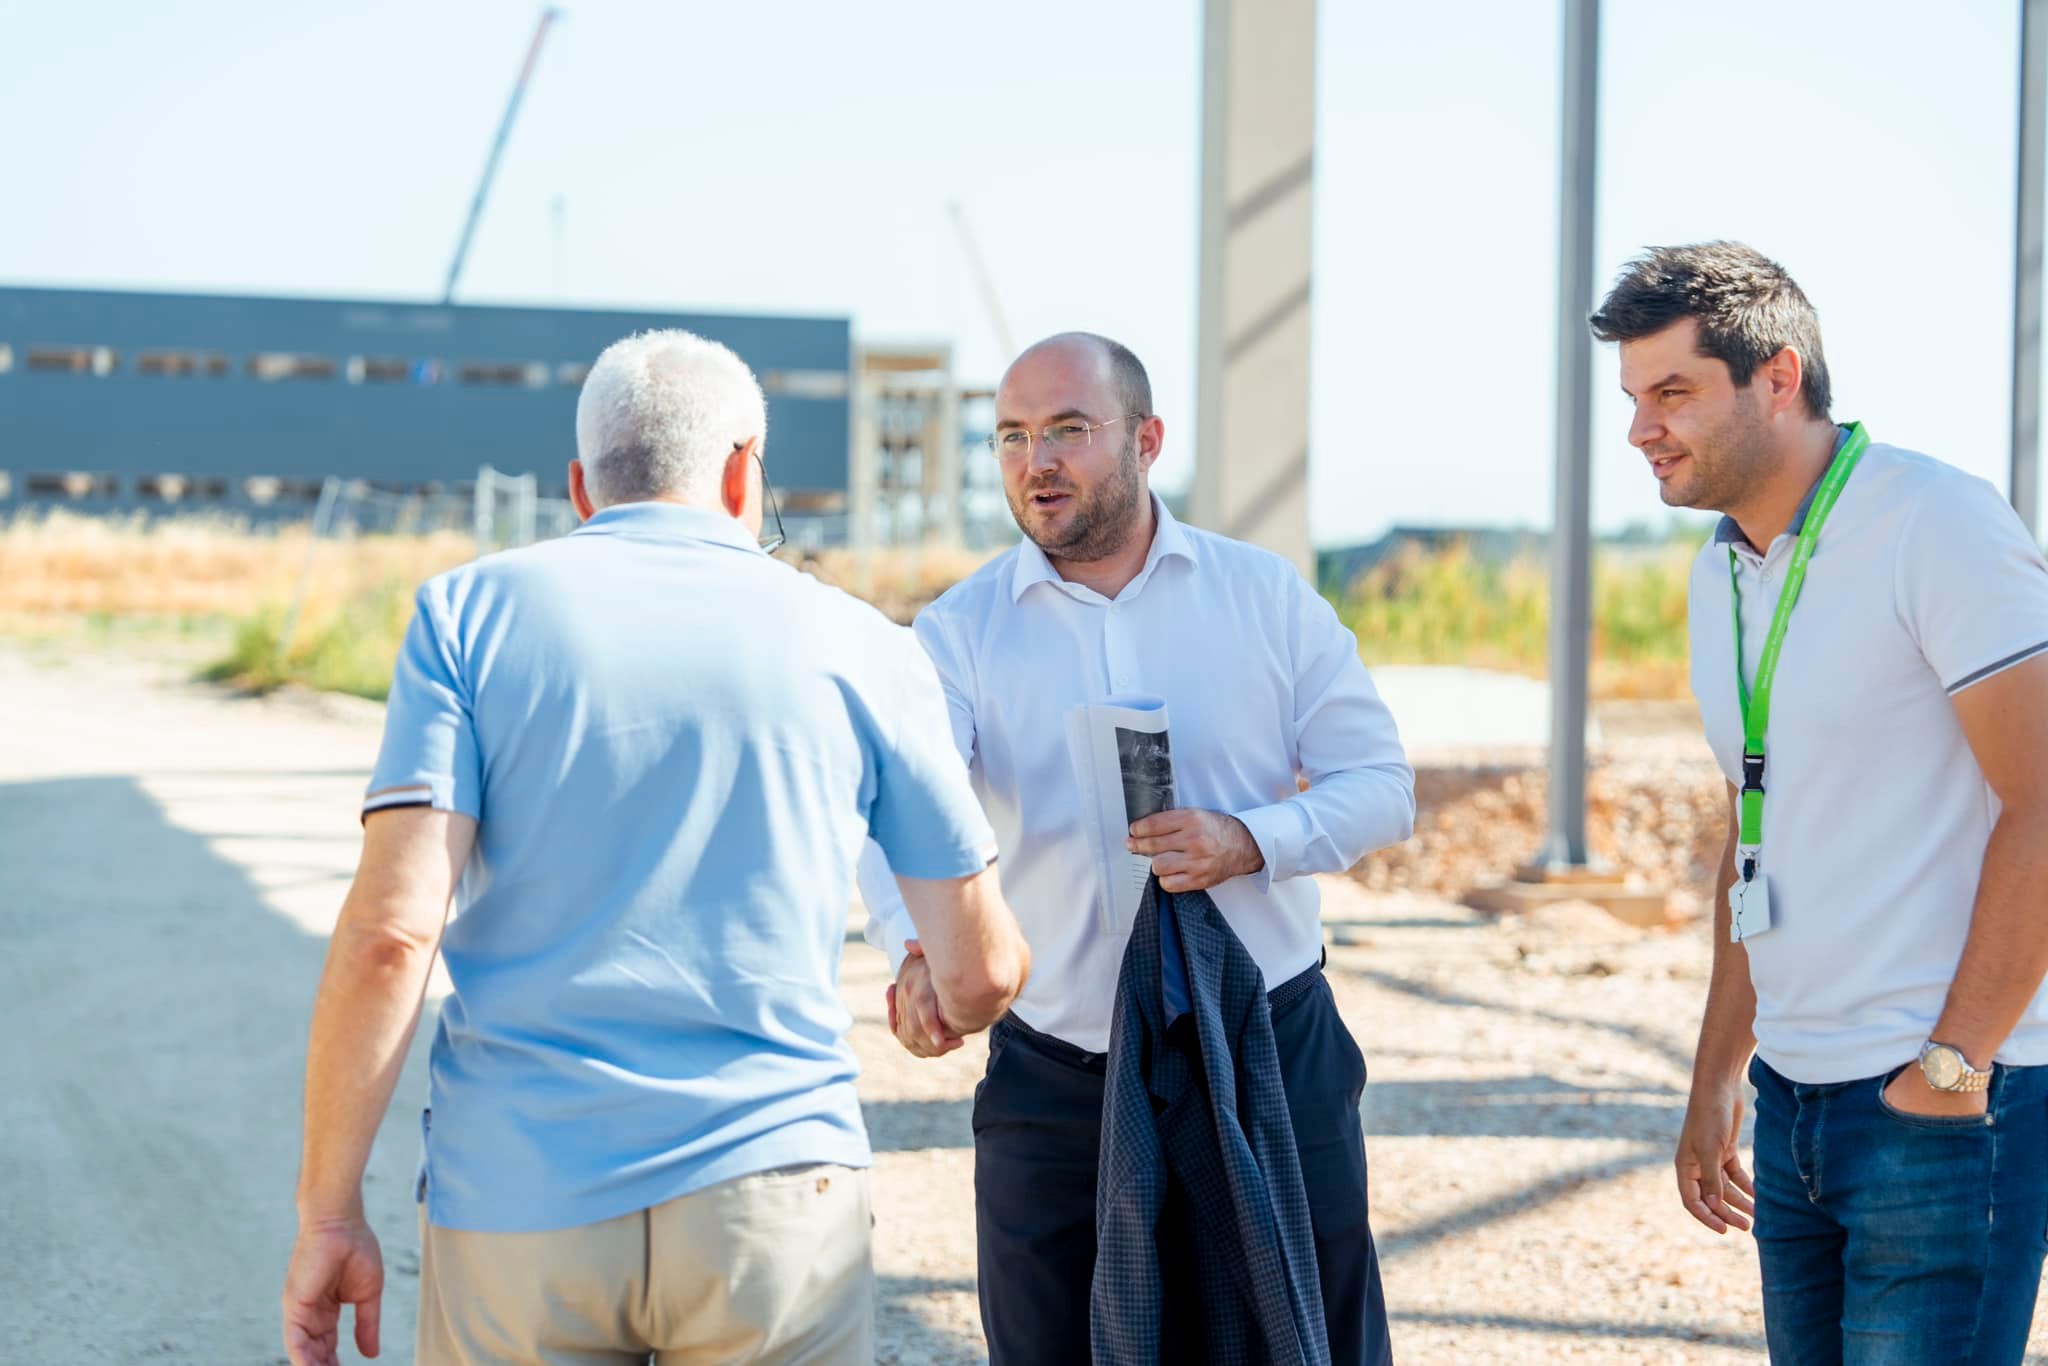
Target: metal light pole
pixel 2026 272
pixel 1571 574
pixel 1561 870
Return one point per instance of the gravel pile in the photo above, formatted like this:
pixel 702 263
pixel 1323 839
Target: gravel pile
pixel 1656 813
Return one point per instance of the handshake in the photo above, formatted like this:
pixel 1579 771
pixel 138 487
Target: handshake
pixel 1191 851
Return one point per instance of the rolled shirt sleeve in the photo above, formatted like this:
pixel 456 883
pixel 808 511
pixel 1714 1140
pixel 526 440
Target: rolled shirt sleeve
pixel 429 755
pixel 1361 793
pixel 1971 584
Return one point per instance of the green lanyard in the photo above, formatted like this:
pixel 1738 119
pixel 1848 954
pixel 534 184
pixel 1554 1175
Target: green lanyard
pixel 1756 704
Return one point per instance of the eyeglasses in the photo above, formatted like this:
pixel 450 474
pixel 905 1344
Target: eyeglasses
pixel 773 543
pixel 1068 434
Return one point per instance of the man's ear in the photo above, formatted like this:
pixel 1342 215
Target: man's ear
pixel 1785 373
pixel 579 492
pixel 1151 439
pixel 732 481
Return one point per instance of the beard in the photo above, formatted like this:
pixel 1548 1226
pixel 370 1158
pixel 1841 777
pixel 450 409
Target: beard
pixel 1098 522
pixel 1725 464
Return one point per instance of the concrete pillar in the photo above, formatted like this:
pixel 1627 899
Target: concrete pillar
pixel 1258 174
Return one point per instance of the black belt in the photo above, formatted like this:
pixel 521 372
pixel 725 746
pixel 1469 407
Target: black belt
pixel 1297 986
pixel 1278 999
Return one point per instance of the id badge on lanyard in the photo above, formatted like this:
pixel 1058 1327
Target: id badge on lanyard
pixel 1749 898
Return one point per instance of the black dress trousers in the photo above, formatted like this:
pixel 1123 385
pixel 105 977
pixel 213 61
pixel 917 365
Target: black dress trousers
pixel 1037 1136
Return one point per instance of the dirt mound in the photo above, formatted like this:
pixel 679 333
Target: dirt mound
pixel 1655 813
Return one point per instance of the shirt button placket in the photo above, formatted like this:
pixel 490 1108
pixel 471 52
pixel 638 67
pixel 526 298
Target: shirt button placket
pixel 1122 670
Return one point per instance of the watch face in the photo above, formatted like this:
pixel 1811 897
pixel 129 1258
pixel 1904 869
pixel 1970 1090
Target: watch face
pixel 1944 1068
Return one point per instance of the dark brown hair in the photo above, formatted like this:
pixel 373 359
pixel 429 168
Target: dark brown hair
pixel 1747 307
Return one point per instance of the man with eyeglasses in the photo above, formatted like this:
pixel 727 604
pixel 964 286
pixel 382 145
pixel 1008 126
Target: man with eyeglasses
pixel 1108 594
pixel 644 1139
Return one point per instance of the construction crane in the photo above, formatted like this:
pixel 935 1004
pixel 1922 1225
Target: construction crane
pixel 548 17
pixel 987 285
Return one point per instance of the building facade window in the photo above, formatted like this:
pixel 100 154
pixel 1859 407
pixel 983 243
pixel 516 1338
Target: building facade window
pixel 380 370
pixel 503 374
pixel 210 364
pixel 272 366
pixel 72 484
pixel 73 360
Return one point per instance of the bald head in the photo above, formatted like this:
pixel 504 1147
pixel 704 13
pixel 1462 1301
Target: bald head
pixel 1113 364
pixel 1075 481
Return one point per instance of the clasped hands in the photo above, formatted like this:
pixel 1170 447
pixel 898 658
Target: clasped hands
pixel 1191 851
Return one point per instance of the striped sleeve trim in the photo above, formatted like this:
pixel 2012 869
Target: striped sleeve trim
pixel 2017 657
pixel 413 794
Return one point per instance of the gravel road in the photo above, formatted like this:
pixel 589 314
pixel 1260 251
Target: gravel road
pixel 171 859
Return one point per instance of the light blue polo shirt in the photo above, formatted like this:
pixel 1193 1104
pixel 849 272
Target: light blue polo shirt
pixel 675 747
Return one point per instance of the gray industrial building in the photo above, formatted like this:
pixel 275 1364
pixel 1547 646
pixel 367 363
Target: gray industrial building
pixel 113 399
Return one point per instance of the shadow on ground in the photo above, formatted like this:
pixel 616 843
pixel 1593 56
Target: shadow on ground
pixel 156 1010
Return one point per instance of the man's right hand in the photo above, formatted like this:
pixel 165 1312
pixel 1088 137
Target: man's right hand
pixel 334 1262
pixel 1711 1182
pixel 914 1008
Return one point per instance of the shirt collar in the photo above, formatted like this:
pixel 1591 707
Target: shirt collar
pixel 1169 538
pixel 1728 533
pixel 658 521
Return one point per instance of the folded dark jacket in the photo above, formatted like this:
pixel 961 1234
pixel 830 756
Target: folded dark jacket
pixel 1194 1111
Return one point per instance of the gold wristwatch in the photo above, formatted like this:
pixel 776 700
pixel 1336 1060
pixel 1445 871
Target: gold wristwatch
pixel 1946 1069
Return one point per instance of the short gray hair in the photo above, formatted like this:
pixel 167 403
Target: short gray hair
pixel 659 414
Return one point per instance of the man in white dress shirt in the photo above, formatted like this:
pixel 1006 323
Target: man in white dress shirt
pixel 1108 595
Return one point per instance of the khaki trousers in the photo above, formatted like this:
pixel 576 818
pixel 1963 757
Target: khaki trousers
pixel 772 1268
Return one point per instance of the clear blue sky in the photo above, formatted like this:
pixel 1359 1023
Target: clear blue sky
pixel 799 155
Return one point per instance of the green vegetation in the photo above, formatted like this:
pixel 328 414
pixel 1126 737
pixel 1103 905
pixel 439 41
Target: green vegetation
pixel 1452 607
pixel 348 647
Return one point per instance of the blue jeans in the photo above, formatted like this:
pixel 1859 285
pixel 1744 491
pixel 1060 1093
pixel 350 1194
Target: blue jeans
pixel 1890 1239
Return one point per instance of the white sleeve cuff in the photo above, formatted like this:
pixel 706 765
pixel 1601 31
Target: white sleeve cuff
pixel 889 939
pixel 1277 830
pixel 888 918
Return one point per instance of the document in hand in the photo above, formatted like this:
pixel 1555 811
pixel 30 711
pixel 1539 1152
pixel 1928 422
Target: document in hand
pixel 1125 772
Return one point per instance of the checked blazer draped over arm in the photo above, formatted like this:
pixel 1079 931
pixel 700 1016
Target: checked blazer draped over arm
pixel 1194 1105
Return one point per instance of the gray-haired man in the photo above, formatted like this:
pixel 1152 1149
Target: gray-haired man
pixel 651 755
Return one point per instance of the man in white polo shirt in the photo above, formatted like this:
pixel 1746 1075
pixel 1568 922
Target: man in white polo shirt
pixel 1870 655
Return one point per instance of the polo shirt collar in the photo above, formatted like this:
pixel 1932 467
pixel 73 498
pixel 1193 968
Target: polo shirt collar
pixel 1169 540
pixel 658 521
pixel 1726 532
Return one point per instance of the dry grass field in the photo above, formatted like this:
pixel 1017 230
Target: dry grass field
pixel 62 574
